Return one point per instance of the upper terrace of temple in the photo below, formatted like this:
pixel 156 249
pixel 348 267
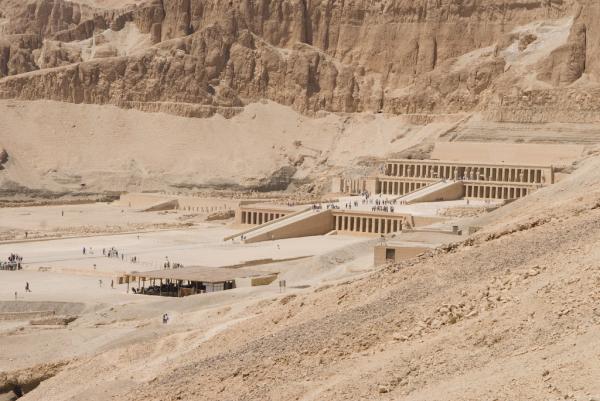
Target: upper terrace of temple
pixel 439 169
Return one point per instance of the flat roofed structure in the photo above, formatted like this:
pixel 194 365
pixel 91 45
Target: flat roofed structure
pixel 396 252
pixel 413 243
pixel 195 280
pixel 199 273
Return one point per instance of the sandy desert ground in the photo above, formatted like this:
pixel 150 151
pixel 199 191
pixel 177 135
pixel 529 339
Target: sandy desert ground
pixel 58 271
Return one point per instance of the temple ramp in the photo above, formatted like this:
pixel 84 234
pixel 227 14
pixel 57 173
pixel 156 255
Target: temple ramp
pixel 304 224
pixel 438 191
pixel 161 206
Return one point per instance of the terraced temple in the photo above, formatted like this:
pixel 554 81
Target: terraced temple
pixel 477 180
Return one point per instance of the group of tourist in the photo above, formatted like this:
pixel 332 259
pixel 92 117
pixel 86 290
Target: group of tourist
pixel 386 209
pixel 378 204
pixel 112 283
pixel 349 205
pixel 13 263
pixel 112 253
pixel 169 265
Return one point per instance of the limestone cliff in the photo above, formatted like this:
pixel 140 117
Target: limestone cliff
pixel 204 56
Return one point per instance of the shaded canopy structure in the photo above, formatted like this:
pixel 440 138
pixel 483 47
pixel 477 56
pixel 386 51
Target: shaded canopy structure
pixel 194 280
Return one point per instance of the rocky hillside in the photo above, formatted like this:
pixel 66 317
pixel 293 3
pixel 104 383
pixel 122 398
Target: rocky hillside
pixel 197 57
pixel 511 313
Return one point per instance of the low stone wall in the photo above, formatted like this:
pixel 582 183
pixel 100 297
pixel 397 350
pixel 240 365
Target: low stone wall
pixel 58 308
pixel 26 315
pixel 158 201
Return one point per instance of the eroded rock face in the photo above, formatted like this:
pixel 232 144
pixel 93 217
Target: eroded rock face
pixel 3 157
pixel 395 56
pixel 567 63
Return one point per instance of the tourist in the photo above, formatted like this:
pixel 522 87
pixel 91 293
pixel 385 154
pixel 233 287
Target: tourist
pixel 84 250
pixel 100 283
pixel 27 289
pixel 112 284
pixel 26 234
pixel 16 295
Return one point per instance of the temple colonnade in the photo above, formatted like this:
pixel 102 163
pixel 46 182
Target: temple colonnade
pixel 433 169
pixel 400 187
pixel 258 217
pixel 372 224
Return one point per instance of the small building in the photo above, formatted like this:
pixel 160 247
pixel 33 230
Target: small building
pixel 194 280
pixel 412 243
pixel 396 252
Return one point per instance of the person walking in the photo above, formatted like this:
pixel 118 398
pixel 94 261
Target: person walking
pixel 112 284
pixel 100 283
pixel 27 289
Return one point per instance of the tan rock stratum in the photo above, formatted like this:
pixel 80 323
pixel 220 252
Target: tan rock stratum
pixel 512 61
pixel 399 56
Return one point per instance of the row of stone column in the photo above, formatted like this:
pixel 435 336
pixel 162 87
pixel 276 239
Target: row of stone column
pixel 495 192
pixel 206 209
pixel 466 172
pixel 350 185
pixel 249 217
pixel 375 225
pixel 399 187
